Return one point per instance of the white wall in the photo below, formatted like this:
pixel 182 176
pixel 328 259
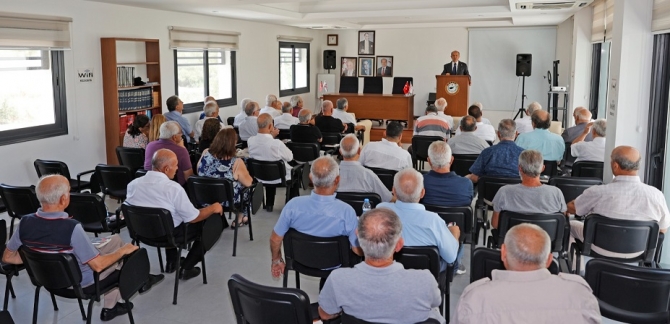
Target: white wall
pixel 564 41
pixel 580 73
pixel 84 146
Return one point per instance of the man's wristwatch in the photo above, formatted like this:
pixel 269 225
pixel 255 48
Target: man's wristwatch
pixel 276 262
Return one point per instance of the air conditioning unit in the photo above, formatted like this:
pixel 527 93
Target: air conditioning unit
pixel 557 5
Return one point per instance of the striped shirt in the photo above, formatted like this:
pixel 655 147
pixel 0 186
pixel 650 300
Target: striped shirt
pixel 431 125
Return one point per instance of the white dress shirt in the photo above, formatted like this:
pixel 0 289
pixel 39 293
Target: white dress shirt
pixel 285 121
pixel 385 155
pixel 356 178
pixel 447 118
pixel 270 110
pixel 239 118
pixel 483 131
pixel 264 147
pixel 589 151
pixel 248 127
pixel 344 116
pixel 486 121
pixel 524 125
pixel 197 129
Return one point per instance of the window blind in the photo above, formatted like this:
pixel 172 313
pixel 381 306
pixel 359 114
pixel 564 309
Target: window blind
pixel 204 39
pixel 603 17
pixel 660 22
pixel 298 39
pixel 20 31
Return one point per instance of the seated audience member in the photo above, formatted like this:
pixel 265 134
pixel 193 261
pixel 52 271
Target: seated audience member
pixel 481 107
pixel 219 161
pixel 381 290
pixel 211 112
pixel 500 160
pixel 431 124
pixel 286 119
pixel 582 118
pixel 239 118
pixel 318 214
pixel 249 127
pixel 296 103
pixel 210 128
pixel 441 105
pixel 154 129
pixel 204 114
pixel 626 197
pixel 483 131
pixel 264 147
pixel 170 138
pixel 156 190
pixel 467 142
pixel 270 106
pixel 541 139
pixel 305 131
pixel 387 153
pixel 353 176
pixel 287 104
pixel 421 227
pixel 136 136
pixel 444 187
pixel 52 229
pixel 175 108
pixel 527 292
pixel 326 122
pixel 530 196
pixel 595 149
pixel 347 118
pixel 525 125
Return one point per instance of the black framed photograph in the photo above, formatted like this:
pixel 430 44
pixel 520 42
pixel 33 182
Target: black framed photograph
pixel 384 66
pixel 332 39
pixel 366 42
pixel 349 65
pixel 366 66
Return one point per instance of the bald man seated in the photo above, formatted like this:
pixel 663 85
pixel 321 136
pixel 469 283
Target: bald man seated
pixel 582 117
pixel 305 131
pixel 527 292
pixel 551 146
pixel 326 122
pixel 354 176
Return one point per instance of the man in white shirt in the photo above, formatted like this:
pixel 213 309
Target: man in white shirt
pixel 264 147
pixel 239 118
pixel 269 106
pixel 211 111
pixel 483 131
pixel 441 104
pixel 286 119
pixel 595 149
pixel 249 127
pixel 484 119
pixel 387 154
pixel 524 124
pixel 467 142
pixel 347 118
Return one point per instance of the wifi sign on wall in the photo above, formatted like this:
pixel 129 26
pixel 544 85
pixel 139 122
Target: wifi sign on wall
pixel 85 75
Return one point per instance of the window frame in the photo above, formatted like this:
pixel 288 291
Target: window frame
pixel 59 127
pixel 294 91
pixel 192 107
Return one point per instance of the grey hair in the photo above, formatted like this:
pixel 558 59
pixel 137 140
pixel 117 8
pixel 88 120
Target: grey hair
pixel 51 194
pixel 244 103
pixel 624 163
pixel 304 115
pixel 600 127
pixel 582 114
pixel 468 124
pixel 286 109
pixel 440 104
pixel 341 103
pixel 326 103
pixel 295 100
pixel 531 162
pixel 533 107
pixel 349 146
pixel 378 233
pixel 478 104
pixel 409 192
pixel 431 109
pixel 210 108
pixel 264 122
pixel 507 129
pixel 169 129
pixel 439 153
pixel 520 250
pixel 250 108
pixel 269 99
pixel 325 178
pixel 158 161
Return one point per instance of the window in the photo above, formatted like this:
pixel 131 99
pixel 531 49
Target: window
pixel 201 73
pixel 32 95
pixel 293 68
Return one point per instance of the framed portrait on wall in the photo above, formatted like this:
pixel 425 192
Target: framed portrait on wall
pixel 366 66
pixel 332 39
pixel 384 66
pixel 366 42
pixel 348 65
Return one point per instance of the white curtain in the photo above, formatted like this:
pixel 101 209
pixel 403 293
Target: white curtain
pixel 19 31
pixel 204 39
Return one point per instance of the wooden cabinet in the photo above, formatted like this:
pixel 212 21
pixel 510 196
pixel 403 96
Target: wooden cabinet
pixel 122 101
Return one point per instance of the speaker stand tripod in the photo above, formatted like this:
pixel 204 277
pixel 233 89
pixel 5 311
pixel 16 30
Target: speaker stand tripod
pixel 522 111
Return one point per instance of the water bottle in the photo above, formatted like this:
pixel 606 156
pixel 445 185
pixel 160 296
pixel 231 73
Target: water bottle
pixel 366 205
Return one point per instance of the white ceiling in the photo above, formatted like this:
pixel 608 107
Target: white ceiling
pixel 369 14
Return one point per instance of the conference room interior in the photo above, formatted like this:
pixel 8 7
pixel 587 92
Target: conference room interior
pixel 611 62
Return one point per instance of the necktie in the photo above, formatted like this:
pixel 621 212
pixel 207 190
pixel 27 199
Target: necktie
pixel 453 68
pixel 383 70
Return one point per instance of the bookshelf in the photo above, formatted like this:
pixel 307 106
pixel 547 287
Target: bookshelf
pixel 123 58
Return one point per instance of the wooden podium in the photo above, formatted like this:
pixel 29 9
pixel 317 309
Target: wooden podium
pixel 456 90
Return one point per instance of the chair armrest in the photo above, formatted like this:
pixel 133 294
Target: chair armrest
pixel 84 173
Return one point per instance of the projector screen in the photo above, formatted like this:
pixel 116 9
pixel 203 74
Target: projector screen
pixel 492 64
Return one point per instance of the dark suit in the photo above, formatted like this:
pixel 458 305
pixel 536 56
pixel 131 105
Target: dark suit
pixel 361 47
pixel 387 72
pixel 461 69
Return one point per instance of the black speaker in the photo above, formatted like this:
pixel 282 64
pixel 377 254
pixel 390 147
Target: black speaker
pixel 329 59
pixel 523 64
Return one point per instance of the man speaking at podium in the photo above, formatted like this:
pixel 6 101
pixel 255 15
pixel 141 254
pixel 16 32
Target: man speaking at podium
pixel 455 67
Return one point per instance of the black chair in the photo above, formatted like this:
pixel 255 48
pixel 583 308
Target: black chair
pixel 131 157
pixel 133 275
pixel 204 191
pixel 399 84
pixel 114 180
pixel 304 152
pixel 8 270
pixel 348 319
pixel 462 216
pixel 274 170
pixel 385 175
pixel 284 134
pixel 140 173
pixel 554 224
pixel 420 146
pixel 550 168
pixel 487 187
pixel 373 85
pixel 462 163
pixel 6 317
pixel 628 293
pixel 19 201
pixel 568 159
pixel 230 121
pixel 484 261
pixel 619 236
pixel 154 227
pixel 90 210
pixel 348 84
pixel 356 199
pixel 44 167
pixel 310 255
pixel 590 169
pixel 330 142
pixel 257 304
pixel 428 258
pixel 573 187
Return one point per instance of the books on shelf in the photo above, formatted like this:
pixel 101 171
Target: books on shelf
pixel 133 99
pixel 125 76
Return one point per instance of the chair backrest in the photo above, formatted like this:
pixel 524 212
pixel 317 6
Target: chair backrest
pixel 284 134
pixel 19 201
pixel 487 186
pixel 484 261
pixel 348 319
pixel 420 146
pixel 87 208
pixel 257 304
pixel 420 258
pixel 554 224
pixel 373 85
pixel 44 167
pixel 230 121
pixel 573 187
pixel 152 226
pixel 3 234
pixel 462 216
pixel 399 84
pixel 140 173
pixel 304 152
pixel 628 293
pixel 385 175
pixel 131 157
pixel 356 199
pixel 53 271
pixel 550 168
pixel 134 273
pixel 332 139
pixel 568 159
pixel 348 84
pixel 267 170
pixel 113 178
pixel 462 163
pixel 621 236
pixel 205 191
pixel 589 169
pixel 309 254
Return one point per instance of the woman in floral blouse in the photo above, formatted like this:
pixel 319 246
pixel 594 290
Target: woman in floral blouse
pixel 137 134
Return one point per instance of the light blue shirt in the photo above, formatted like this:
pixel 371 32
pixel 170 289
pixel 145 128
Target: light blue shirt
pixel 318 215
pixel 549 144
pixel 423 228
pixel 185 126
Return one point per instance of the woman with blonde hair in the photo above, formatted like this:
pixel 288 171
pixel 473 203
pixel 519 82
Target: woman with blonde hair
pixel 156 122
